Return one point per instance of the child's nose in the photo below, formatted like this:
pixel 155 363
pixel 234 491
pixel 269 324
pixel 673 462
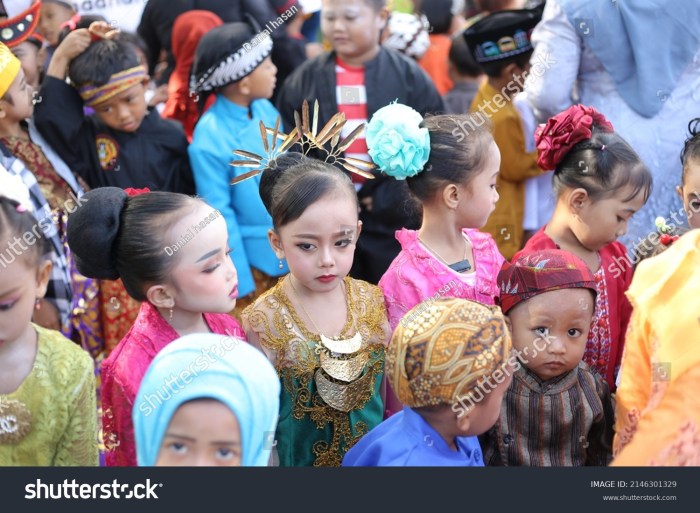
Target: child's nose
pixel 326 257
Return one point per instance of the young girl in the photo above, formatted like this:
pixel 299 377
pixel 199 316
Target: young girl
pixel 689 191
pixel 324 332
pixel 171 252
pixel 47 384
pixel 455 182
pixel 600 183
pixel 221 411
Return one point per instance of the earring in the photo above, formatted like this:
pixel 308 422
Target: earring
pixel 170 317
pixel 37 304
pixel 281 266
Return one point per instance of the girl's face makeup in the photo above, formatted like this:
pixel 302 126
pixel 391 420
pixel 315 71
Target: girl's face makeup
pixel 202 433
pixel 204 277
pixel 20 286
pixel 690 193
pixel 320 245
pixel 353 28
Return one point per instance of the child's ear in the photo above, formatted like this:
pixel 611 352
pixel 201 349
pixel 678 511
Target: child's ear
pixel 42 277
pixel 450 196
pixel 276 243
pixel 679 191
pixel 160 296
pixel 244 85
pixel 578 198
pixel 464 422
pixel 383 17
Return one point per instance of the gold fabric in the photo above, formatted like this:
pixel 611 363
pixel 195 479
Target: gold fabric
pixel 444 349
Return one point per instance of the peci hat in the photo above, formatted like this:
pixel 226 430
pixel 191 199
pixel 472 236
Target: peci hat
pixel 442 349
pixel 503 34
pixel 226 54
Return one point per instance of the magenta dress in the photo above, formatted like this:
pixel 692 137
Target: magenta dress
pixel 124 368
pixel 417 275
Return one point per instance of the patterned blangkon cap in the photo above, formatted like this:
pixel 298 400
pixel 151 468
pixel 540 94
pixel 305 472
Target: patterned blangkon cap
pixel 442 349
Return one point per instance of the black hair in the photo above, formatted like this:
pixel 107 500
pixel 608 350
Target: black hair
pixel 495 68
pixel 377 5
pixel 278 166
pixel 299 185
pixel 135 41
pixel 439 14
pixel 113 235
pixel 691 148
pixel 462 59
pixel 100 61
pixel 602 165
pixel 458 150
pixel 84 22
pixel 20 224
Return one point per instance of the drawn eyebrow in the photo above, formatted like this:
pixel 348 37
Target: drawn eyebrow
pixel 207 255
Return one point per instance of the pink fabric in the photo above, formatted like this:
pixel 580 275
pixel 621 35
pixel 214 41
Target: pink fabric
pixel 416 275
pixel 125 367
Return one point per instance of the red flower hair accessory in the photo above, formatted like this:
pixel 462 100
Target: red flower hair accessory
pixel 130 191
pixel 561 132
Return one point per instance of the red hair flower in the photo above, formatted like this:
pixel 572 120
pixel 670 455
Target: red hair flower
pixel 561 132
pixel 130 191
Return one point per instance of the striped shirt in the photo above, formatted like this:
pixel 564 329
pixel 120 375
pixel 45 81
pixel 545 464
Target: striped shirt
pixel 563 422
pixel 351 97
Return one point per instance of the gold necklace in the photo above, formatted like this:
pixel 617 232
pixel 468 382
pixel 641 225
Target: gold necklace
pixel 301 304
pixel 461 266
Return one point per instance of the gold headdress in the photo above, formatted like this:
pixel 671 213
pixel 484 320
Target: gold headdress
pixel 308 136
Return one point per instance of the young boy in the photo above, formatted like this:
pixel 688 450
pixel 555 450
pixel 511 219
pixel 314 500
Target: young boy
pixel 500 43
pixel 556 412
pixel 358 77
pixel 442 352
pixel 465 74
pixel 234 62
pixel 124 143
pixel 20 35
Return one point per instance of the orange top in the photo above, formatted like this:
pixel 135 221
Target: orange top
pixel 435 61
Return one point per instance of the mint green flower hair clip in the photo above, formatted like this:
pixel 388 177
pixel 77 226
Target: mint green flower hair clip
pixel 396 142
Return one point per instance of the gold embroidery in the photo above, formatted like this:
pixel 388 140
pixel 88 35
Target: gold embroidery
pixel 15 421
pixel 298 362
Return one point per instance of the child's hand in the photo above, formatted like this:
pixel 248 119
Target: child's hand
pixel 73 45
pixel 103 29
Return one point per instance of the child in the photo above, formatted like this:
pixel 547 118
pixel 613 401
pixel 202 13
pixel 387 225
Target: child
pixel 54 13
pixel 689 191
pixel 501 45
pixel 354 79
pixel 455 183
pixel 188 30
pixel 323 331
pixel 556 411
pixel 124 143
pixel 220 411
pixel 440 353
pixel 171 252
pixel 47 385
pixel 232 63
pixel 599 182
pixel 658 407
pixel 20 34
pixel 407 33
pixel 465 74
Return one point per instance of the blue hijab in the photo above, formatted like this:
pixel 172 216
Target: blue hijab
pixel 644 45
pixel 210 366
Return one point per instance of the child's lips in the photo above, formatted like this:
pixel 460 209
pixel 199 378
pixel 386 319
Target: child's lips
pixel 234 292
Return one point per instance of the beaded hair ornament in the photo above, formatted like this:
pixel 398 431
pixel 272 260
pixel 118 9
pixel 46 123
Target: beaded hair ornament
pixel 307 135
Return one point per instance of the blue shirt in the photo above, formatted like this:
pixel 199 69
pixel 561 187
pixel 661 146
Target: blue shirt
pixel 223 128
pixel 407 440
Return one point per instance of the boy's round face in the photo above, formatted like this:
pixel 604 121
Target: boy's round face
pixel 28 54
pixel 52 16
pixel 353 28
pixel 17 101
pixel 263 80
pixel 550 330
pixel 690 193
pixel 125 111
pixel 201 433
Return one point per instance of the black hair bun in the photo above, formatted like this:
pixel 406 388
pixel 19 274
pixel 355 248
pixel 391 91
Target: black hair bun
pixel 274 172
pixel 93 229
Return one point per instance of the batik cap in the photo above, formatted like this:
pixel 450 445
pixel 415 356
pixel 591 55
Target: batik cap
pixel 536 273
pixel 503 34
pixel 226 54
pixel 442 349
pixel 9 68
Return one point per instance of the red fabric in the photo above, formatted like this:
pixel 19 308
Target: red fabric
pixel 533 274
pixel 561 132
pixel 125 367
pixel 187 31
pixel 617 269
pixel 354 105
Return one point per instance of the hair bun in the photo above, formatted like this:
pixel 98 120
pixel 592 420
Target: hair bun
pixel 93 229
pixel 274 171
